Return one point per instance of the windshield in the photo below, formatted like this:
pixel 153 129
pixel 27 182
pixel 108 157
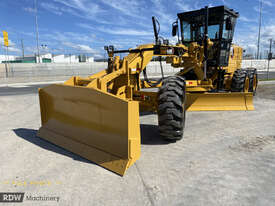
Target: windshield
pixel 194 32
pixel 213 31
pixel 228 34
pixel 186 34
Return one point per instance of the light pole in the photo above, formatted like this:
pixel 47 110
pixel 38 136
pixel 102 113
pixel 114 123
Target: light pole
pixel 22 45
pixel 36 28
pixel 269 56
pixel 44 48
pixel 260 25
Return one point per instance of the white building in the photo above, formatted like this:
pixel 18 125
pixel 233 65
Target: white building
pixel 65 58
pixel 61 58
pixel 6 58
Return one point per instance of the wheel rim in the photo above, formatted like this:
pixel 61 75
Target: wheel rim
pixel 254 82
pixel 246 84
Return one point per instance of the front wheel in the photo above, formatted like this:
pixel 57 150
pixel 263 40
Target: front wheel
pixel 171 108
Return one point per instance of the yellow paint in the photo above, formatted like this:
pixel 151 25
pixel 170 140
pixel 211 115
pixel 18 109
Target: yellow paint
pixel 235 59
pixel 96 125
pixel 98 117
pixel 219 101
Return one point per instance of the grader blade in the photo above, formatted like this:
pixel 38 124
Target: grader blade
pixel 219 101
pixel 93 124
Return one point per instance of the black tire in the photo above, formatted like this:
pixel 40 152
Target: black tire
pixel 171 109
pixel 238 80
pixel 253 80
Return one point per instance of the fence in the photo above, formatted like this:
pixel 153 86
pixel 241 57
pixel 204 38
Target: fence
pixel 261 65
pixel 31 72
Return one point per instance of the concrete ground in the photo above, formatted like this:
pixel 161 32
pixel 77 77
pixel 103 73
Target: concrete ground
pixel 225 158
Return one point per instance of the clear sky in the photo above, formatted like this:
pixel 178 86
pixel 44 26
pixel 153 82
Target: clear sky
pixel 85 26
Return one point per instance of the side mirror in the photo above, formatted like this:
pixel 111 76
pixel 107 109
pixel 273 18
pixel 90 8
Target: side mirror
pixel 228 23
pixel 174 28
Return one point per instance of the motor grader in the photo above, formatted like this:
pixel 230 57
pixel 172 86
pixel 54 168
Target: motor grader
pixel 97 117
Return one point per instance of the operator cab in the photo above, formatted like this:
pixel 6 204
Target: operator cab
pixel 221 24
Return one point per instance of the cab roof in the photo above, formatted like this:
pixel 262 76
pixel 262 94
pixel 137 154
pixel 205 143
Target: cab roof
pixel 218 11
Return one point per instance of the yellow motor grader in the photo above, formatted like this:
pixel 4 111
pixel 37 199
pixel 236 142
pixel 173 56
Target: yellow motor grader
pixel 98 117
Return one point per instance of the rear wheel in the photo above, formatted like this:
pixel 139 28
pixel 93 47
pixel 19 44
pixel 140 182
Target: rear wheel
pixel 171 109
pixel 240 81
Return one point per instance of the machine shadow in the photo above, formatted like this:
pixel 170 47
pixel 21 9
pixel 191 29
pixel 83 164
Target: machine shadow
pixel 150 135
pixel 30 136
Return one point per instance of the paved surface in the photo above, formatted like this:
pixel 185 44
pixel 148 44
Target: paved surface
pixel 263 75
pixel 225 158
pixel 20 89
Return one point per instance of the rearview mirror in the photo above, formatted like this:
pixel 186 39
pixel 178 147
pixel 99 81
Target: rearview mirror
pixel 175 29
